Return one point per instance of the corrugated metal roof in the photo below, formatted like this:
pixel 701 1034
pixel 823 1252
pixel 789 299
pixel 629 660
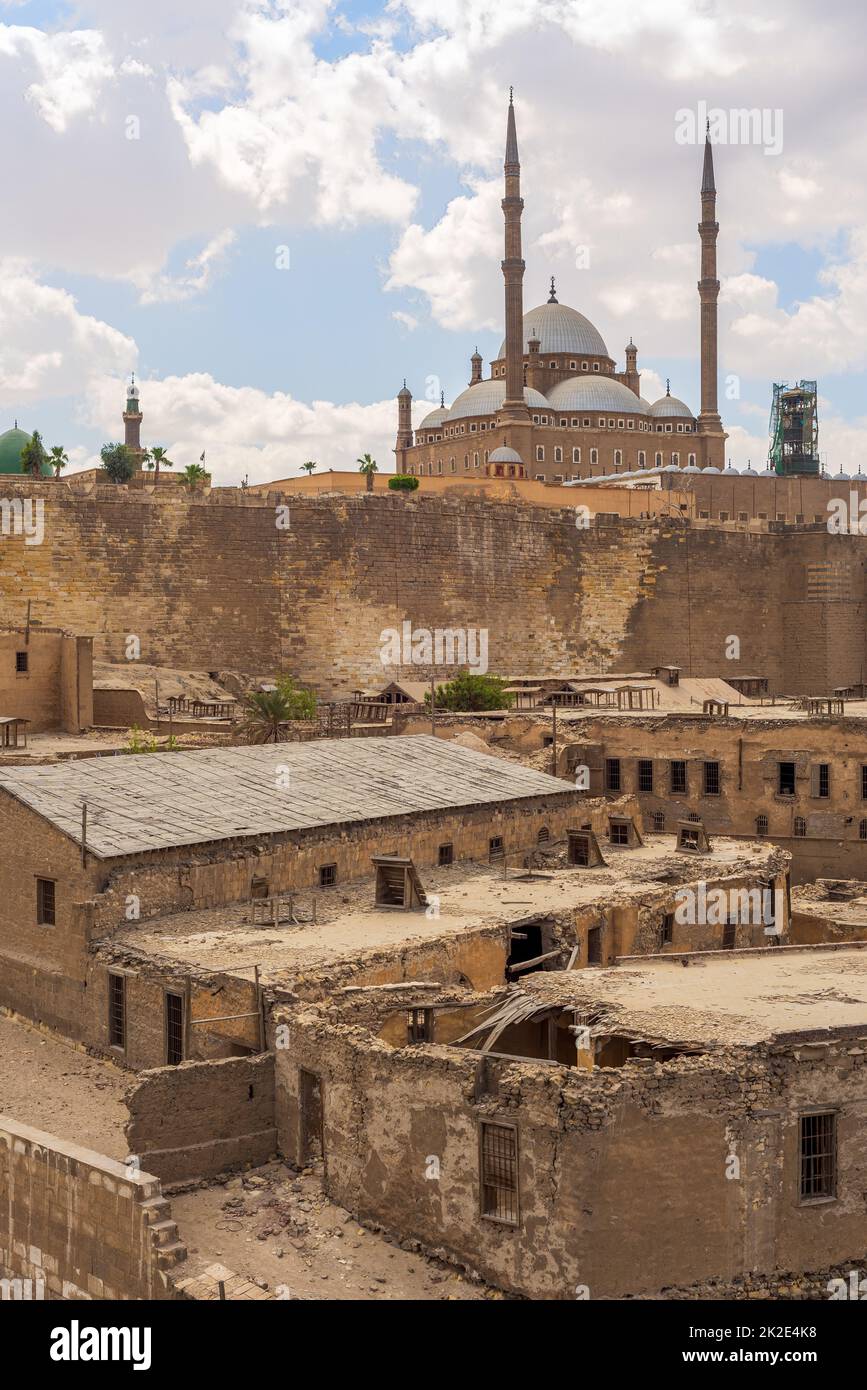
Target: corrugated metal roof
pixel 151 801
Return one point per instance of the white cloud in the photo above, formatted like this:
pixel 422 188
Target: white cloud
pixel 47 347
pixel 70 70
pixel 200 273
pixel 408 321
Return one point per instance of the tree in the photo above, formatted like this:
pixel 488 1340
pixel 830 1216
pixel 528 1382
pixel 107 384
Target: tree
pixel 58 458
pixel 469 692
pixel 308 467
pixel 33 456
pixel 368 467
pixel 403 482
pixel 194 475
pixel 266 713
pixel 159 459
pixel 118 462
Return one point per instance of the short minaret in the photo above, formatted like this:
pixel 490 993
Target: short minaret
pixel 631 376
pixel 709 421
pixel 475 367
pixel 132 418
pixel 404 425
pixel 513 408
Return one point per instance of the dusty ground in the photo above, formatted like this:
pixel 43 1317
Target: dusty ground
pixel 275 1226
pixel 51 1085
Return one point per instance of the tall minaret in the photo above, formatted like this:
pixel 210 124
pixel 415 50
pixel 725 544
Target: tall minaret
pixel 404 426
pixel 132 418
pixel 513 407
pixel 709 422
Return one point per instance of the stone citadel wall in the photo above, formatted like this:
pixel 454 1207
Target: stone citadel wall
pixel 213 582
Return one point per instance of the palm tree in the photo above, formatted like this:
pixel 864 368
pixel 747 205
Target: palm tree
pixel 193 475
pixel 33 456
pixel 58 458
pixel 308 467
pixel 368 467
pixel 160 460
pixel 265 716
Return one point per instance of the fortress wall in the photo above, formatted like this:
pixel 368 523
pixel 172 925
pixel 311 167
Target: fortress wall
pixel 212 582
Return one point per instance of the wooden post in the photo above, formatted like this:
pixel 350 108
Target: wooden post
pixel 157 692
pixel 433 715
pixel 27 628
pixel 84 833
pixel 554 740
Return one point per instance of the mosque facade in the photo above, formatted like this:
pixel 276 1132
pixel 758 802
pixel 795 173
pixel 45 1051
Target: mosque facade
pixel 555 408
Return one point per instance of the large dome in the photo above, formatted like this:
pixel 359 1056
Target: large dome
pixel 486 397
pixel 595 393
pixel 434 419
pixel 670 407
pixel 11 444
pixel 561 329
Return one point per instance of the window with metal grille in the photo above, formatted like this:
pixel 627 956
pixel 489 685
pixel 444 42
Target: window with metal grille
pixel 800 827
pixel 612 774
pixel 818 1155
pixel 21 659
pixel 543 836
pixel 446 855
pixel 419 1025
pixel 174 1029
pixel 862 830
pixel 498 1172
pixel 618 832
pixel 658 822
pixel 117 1011
pixel 327 875
pixel 645 775
pixel 678 777
pixel 495 847
pixel 822 779
pixel 579 849
pixel 711 779
pixel 761 825
pixel 45 902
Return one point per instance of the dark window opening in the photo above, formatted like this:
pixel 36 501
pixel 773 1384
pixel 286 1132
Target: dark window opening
pixel 786 785
pixel 579 850
pixel 117 1011
pixel 446 855
pixel 327 875
pixel 818 1155
pixel 618 832
pixel 495 847
pixel 645 775
pixel 711 779
pixel 543 836
pixel 658 822
pixel 21 661
pixel 420 1025
pixel 729 935
pixel 258 887
pixel 174 1029
pixel 594 946
pixel 678 778
pixel 612 774
pixel 800 827
pixel 822 780
pixel 862 830
pixel 45 902
pixel 666 931
pixel 761 825
pixel 498 1164
pixel 525 944
pixel 864 781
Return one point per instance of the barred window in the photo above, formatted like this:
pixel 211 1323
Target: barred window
pixel 800 828
pixel 645 775
pixel 818 1155
pixel 498 1172
pixel 761 825
pixel 711 779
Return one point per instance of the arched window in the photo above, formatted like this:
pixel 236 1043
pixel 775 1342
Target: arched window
pixel 658 822
pixel 543 836
pixel 800 827
pixel 761 825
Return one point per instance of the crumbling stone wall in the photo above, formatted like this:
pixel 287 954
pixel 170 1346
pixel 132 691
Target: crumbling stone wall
pixel 314 597
pixel 203 1118
pixel 648 1144
pixel 82 1224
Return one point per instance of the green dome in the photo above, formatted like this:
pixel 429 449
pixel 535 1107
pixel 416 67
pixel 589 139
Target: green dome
pixel 11 444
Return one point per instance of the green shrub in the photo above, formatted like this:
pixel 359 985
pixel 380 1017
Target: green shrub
pixel 468 692
pixel 403 482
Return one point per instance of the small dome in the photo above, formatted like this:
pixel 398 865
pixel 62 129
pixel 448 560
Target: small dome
pixel 691 468
pixel 486 397
pixel 709 469
pixel 859 477
pixel 749 473
pixel 844 477
pixel 434 420
pixel 560 329
pixel 729 472
pixel 768 473
pixel 670 407
pixel 505 455
pixel 595 393
pixel 11 444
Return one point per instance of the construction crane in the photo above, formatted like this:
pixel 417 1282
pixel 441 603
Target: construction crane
pixel 794 429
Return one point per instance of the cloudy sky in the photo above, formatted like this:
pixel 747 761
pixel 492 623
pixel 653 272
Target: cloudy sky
pixel 275 211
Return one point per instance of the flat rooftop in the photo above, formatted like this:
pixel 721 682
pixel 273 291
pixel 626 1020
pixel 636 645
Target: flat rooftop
pixel 844 902
pixel 722 998
pixel 471 896
pixel 149 801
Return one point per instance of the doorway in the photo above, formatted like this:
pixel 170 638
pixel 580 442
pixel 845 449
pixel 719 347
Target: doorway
pixel 311 1144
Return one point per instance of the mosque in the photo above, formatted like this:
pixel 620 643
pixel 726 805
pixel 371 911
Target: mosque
pixel 11 444
pixel 554 407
